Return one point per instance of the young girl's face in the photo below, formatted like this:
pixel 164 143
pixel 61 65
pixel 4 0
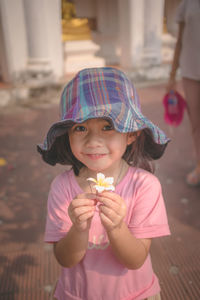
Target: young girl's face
pixel 98 145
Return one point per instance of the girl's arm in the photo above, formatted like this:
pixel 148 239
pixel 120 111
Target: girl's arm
pixel 71 249
pixel 130 251
pixel 175 61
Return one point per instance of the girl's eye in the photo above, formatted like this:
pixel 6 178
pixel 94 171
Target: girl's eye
pixel 108 127
pixel 79 128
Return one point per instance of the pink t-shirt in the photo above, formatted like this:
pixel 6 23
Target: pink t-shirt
pixel 99 275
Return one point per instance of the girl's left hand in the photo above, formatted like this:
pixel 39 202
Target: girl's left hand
pixel 112 210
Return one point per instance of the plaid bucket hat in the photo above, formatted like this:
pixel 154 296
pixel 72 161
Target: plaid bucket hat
pixel 100 93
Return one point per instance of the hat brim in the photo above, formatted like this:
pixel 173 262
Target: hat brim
pixel 131 124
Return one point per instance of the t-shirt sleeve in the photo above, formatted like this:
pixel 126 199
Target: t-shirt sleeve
pixel 58 222
pixel 180 13
pixel 149 218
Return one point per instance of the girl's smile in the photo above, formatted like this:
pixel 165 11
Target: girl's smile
pixel 95 156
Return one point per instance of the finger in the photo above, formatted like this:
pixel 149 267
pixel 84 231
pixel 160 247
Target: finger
pixel 110 195
pixel 106 221
pixel 79 218
pixel 109 212
pixel 82 210
pixel 117 206
pixel 110 220
pixel 105 202
pixel 80 206
pixel 82 202
pixel 83 225
pixel 85 216
pixel 113 213
pixel 86 196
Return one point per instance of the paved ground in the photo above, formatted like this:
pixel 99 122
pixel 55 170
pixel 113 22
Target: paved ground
pixel 27 267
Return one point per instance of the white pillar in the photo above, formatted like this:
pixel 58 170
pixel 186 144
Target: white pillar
pixel 43 24
pixel 107 29
pixel 54 33
pixel 140 23
pixel 13 48
pixel 153 26
pixel 131 28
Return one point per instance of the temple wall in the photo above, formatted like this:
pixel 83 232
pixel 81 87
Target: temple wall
pixel 128 33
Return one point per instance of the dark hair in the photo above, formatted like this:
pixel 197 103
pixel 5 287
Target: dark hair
pixel 139 154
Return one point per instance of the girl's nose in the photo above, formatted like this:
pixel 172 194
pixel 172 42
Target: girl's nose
pixel 93 140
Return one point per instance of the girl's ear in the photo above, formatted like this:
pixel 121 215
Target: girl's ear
pixel 132 136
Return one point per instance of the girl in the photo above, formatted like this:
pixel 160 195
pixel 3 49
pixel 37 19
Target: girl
pixel 102 239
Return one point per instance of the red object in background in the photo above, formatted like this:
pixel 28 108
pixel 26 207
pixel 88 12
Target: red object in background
pixel 174 105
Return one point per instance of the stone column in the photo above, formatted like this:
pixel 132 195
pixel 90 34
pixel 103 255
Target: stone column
pixel 153 27
pixel 54 33
pixel 140 29
pixel 107 30
pixel 43 24
pixel 13 44
pixel 131 32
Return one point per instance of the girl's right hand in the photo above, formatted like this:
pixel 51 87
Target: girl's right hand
pixel 81 211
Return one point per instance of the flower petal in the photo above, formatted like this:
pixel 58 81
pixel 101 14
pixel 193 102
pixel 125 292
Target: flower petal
pixel 99 188
pixel 109 180
pixel 103 183
pixel 92 179
pixel 100 176
pixel 110 188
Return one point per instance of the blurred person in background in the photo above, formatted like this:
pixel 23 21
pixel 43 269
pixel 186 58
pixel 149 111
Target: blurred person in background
pixel 187 57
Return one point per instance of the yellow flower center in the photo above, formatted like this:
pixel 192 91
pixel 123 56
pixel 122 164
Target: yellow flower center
pixel 102 182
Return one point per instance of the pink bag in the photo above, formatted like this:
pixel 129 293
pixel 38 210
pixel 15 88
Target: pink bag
pixel 174 105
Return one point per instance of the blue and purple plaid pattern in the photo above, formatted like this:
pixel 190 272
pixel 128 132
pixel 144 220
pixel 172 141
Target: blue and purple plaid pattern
pixel 106 93
pixel 102 93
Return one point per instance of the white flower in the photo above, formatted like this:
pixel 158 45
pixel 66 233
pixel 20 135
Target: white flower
pixel 103 183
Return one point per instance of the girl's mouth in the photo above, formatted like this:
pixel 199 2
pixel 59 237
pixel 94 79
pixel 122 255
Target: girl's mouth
pixel 95 156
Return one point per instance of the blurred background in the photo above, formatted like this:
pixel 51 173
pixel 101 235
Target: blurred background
pixel 43 42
